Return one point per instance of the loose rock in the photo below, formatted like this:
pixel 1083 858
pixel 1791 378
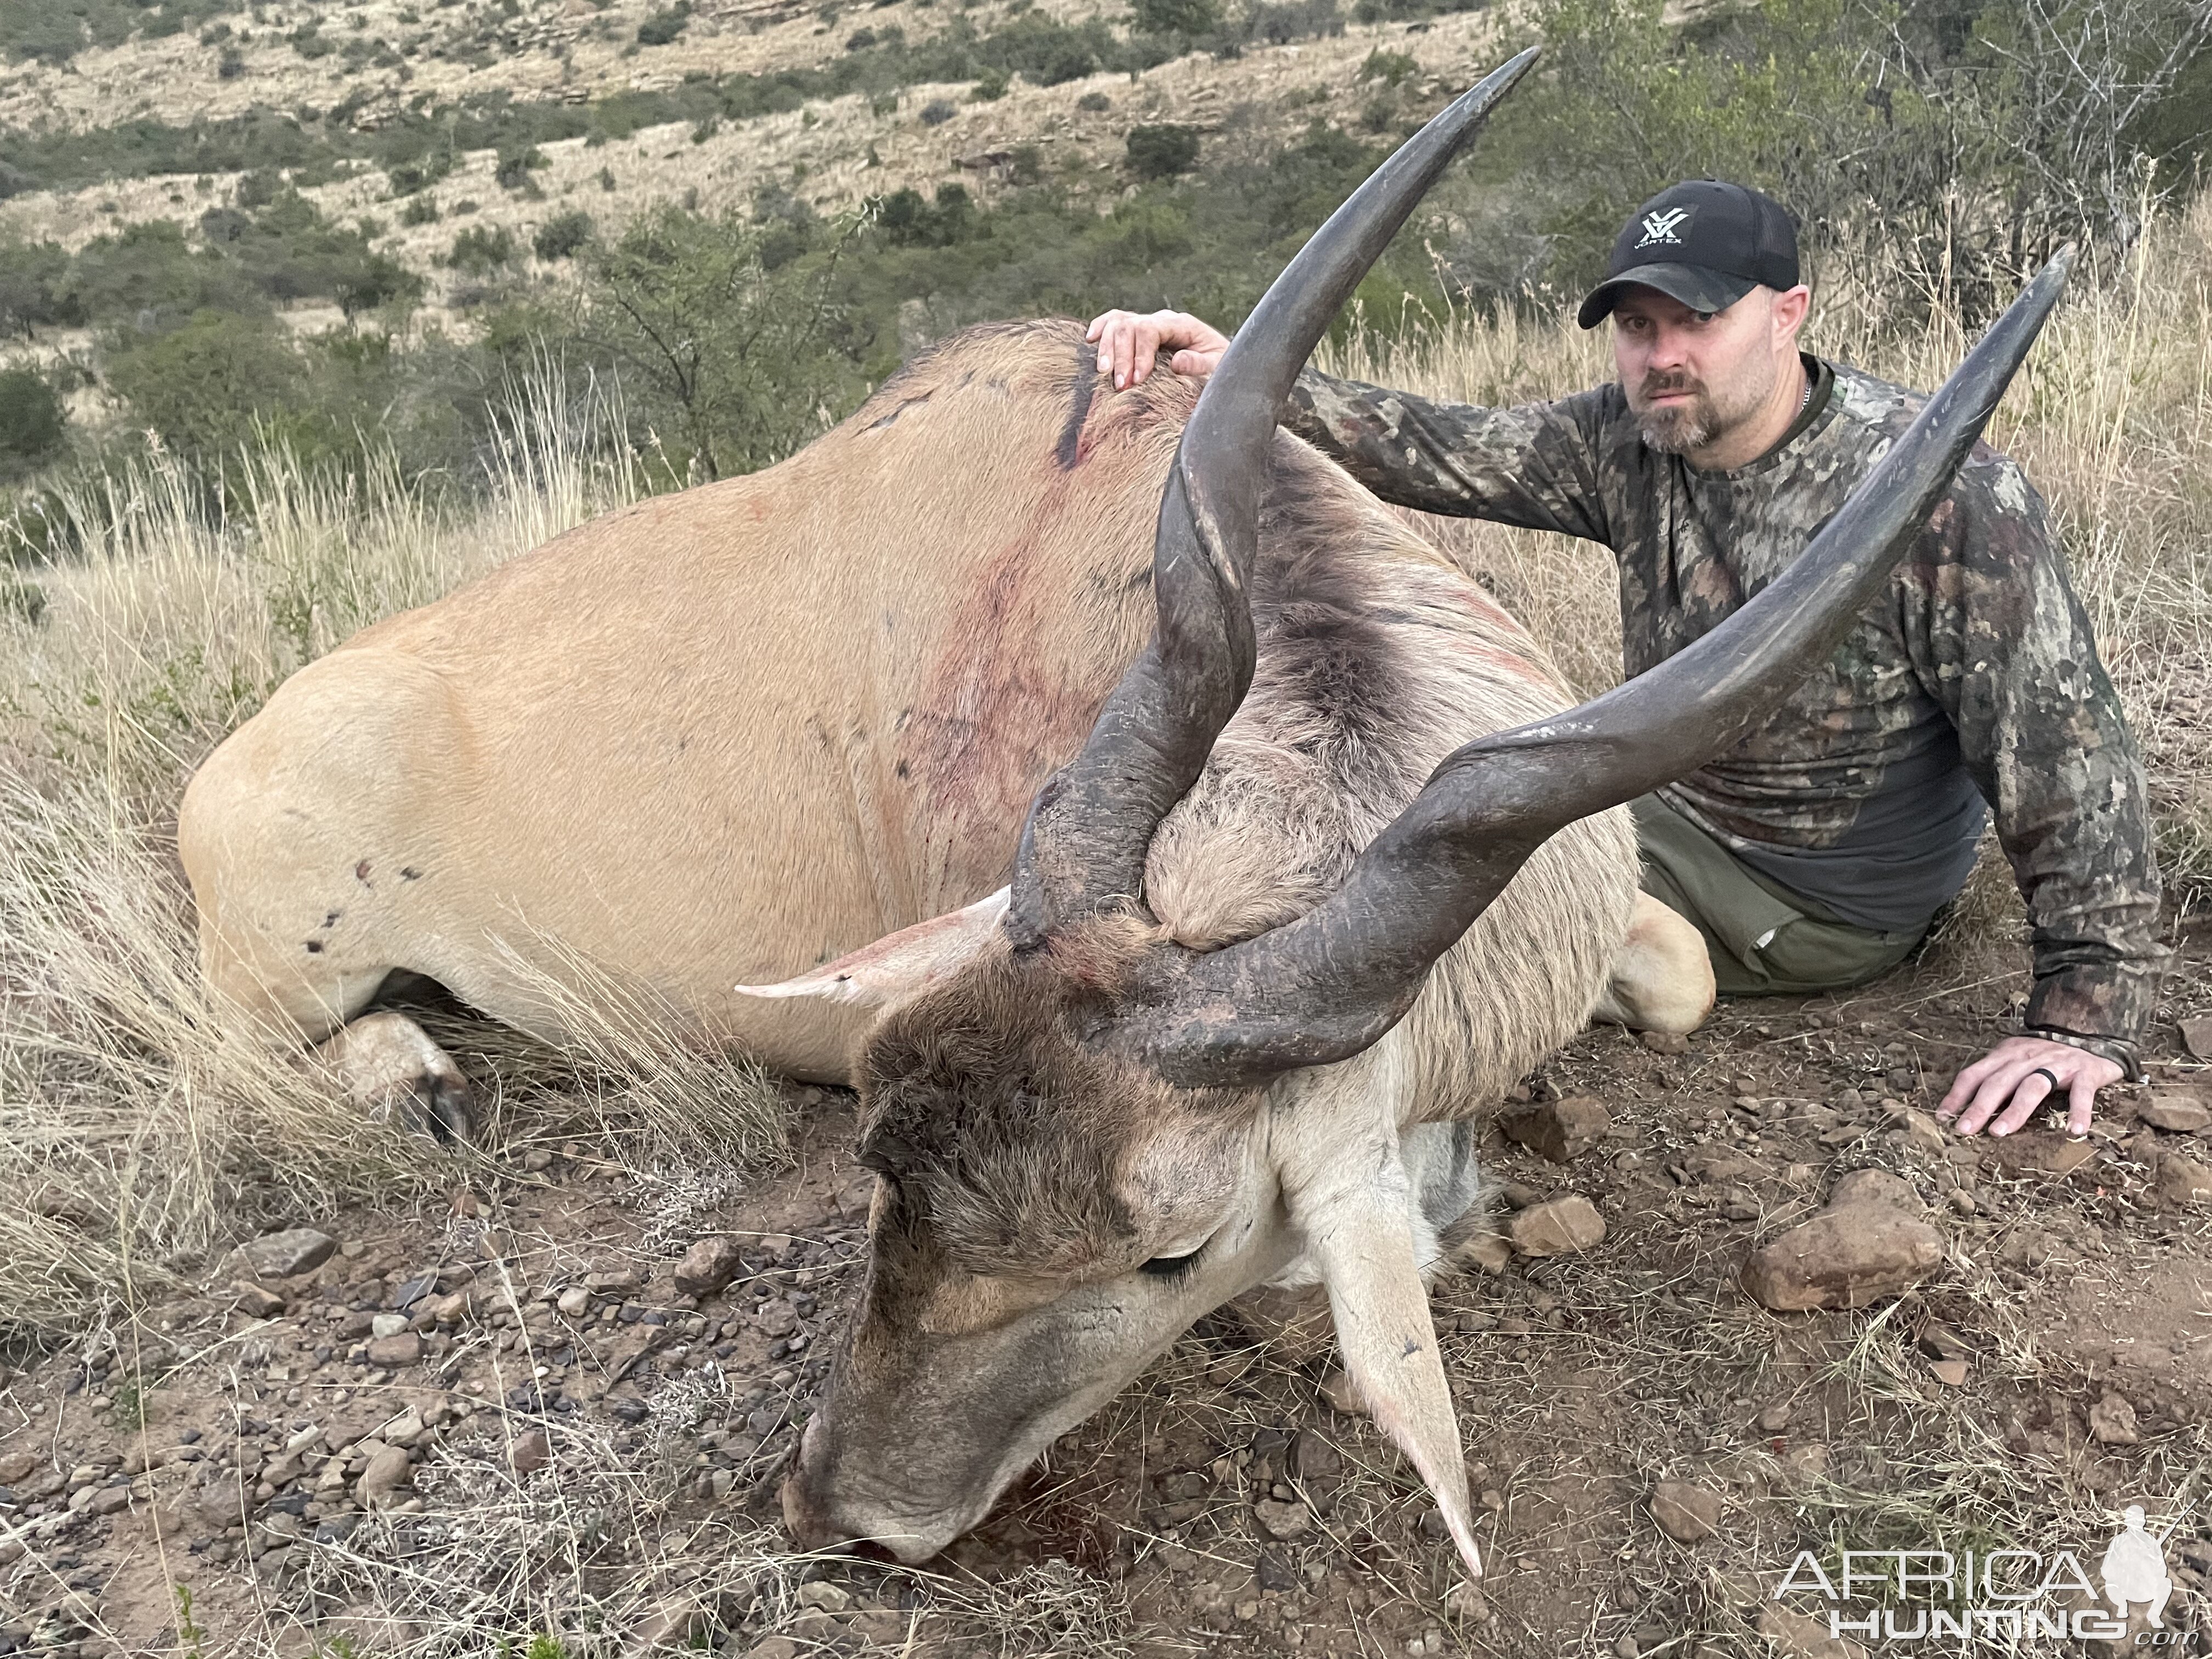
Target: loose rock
pixel 2197 1035
pixel 1804 1635
pixel 529 1452
pixel 2112 1421
pixel 255 1302
pixel 1558 1226
pixel 1337 1388
pixel 1685 1513
pixel 387 1324
pixel 403 1349
pixel 1843 1258
pixel 826 1596
pixel 279 1256
pixel 708 1266
pixel 2184 1180
pixel 1558 1129
pixel 387 1471
pixel 1286 1522
pixel 2179 1115
pixel 575 1302
pixel 1874 1187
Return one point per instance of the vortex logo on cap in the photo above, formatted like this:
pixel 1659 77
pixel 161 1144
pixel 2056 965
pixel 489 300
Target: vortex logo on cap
pixel 1659 227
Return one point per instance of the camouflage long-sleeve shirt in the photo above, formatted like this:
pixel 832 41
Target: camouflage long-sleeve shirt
pixel 1976 678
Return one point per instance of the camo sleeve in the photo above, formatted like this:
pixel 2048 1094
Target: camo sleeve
pixel 1998 637
pixel 1536 465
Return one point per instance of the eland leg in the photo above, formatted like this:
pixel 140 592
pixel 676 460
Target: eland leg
pixel 1663 979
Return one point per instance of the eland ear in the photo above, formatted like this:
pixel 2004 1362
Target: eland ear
pixel 901 965
pixel 1357 1226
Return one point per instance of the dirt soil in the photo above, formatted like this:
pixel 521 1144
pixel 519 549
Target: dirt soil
pixel 554 1432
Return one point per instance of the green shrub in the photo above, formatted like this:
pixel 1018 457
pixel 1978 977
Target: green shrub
pixel 559 238
pixel 1391 68
pixel 1189 19
pixel 202 386
pixel 33 420
pixel 1162 151
pixel 420 210
pixel 34 290
pixel 516 166
pixel 662 27
pixel 482 249
pixel 936 112
pixel 989 87
pixel 1094 102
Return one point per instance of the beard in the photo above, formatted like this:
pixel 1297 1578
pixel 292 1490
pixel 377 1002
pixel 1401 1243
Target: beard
pixel 1706 414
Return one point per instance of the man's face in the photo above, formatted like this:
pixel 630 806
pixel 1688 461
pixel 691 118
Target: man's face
pixel 1692 377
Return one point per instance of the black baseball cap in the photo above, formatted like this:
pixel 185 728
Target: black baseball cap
pixel 1704 242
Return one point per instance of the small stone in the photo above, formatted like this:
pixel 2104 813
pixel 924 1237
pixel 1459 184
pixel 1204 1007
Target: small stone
pixel 403 1349
pixel 110 1499
pixel 2112 1421
pixel 1491 1252
pixel 1664 1042
pixel 1962 1200
pixel 777 1319
pixel 614 1279
pixel 1314 1458
pixel 573 1302
pixel 1339 1390
pixel 1286 1522
pixel 1843 1258
pixel 2197 1035
pixel 825 1596
pixel 387 1324
pixel 1922 1130
pixel 670 1624
pixel 2180 1114
pixel 1272 1572
pixel 1558 1226
pixel 1558 1129
pixel 1775 1418
pixel 16 1467
pixel 279 1256
pixel 2184 1180
pixel 1951 1373
pixel 254 1302
pixel 529 1452
pixel 410 1290
pixel 1685 1513
pixel 774 1647
pixel 449 1310
pixel 537 1160
pixel 708 1266
pixel 1874 1187
pixel 387 1471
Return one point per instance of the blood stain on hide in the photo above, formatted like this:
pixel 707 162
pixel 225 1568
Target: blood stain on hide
pixel 361 872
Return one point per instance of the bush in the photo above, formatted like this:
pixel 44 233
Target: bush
pixel 203 387
pixel 482 249
pixel 1189 19
pixel 34 287
pixel 937 112
pixel 662 27
pixel 1390 68
pixel 559 238
pixel 990 86
pixel 420 210
pixel 1162 151
pixel 1094 102
pixel 733 364
pixel 515 167
pixel 378 281
pixel 33 421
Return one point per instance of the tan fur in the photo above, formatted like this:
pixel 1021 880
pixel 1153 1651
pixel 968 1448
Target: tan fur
pixel 724 736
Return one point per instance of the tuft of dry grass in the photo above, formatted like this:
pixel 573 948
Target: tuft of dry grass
pixel 2111 417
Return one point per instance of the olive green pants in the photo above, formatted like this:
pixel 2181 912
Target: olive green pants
pixel 1764 940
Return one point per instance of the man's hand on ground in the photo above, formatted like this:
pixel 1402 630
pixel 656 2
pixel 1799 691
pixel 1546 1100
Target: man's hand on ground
pixel 1129 343
pixel 2004 1086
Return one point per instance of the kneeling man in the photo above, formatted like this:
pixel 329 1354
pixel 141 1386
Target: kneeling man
pixel 1814 857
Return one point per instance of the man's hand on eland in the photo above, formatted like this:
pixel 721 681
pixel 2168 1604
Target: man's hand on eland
pixel 1130 341
pixel 2001 1091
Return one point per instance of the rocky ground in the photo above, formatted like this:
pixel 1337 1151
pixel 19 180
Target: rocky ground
pixel 1744 1298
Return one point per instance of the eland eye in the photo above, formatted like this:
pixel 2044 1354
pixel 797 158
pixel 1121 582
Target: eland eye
pixel 1173 1267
